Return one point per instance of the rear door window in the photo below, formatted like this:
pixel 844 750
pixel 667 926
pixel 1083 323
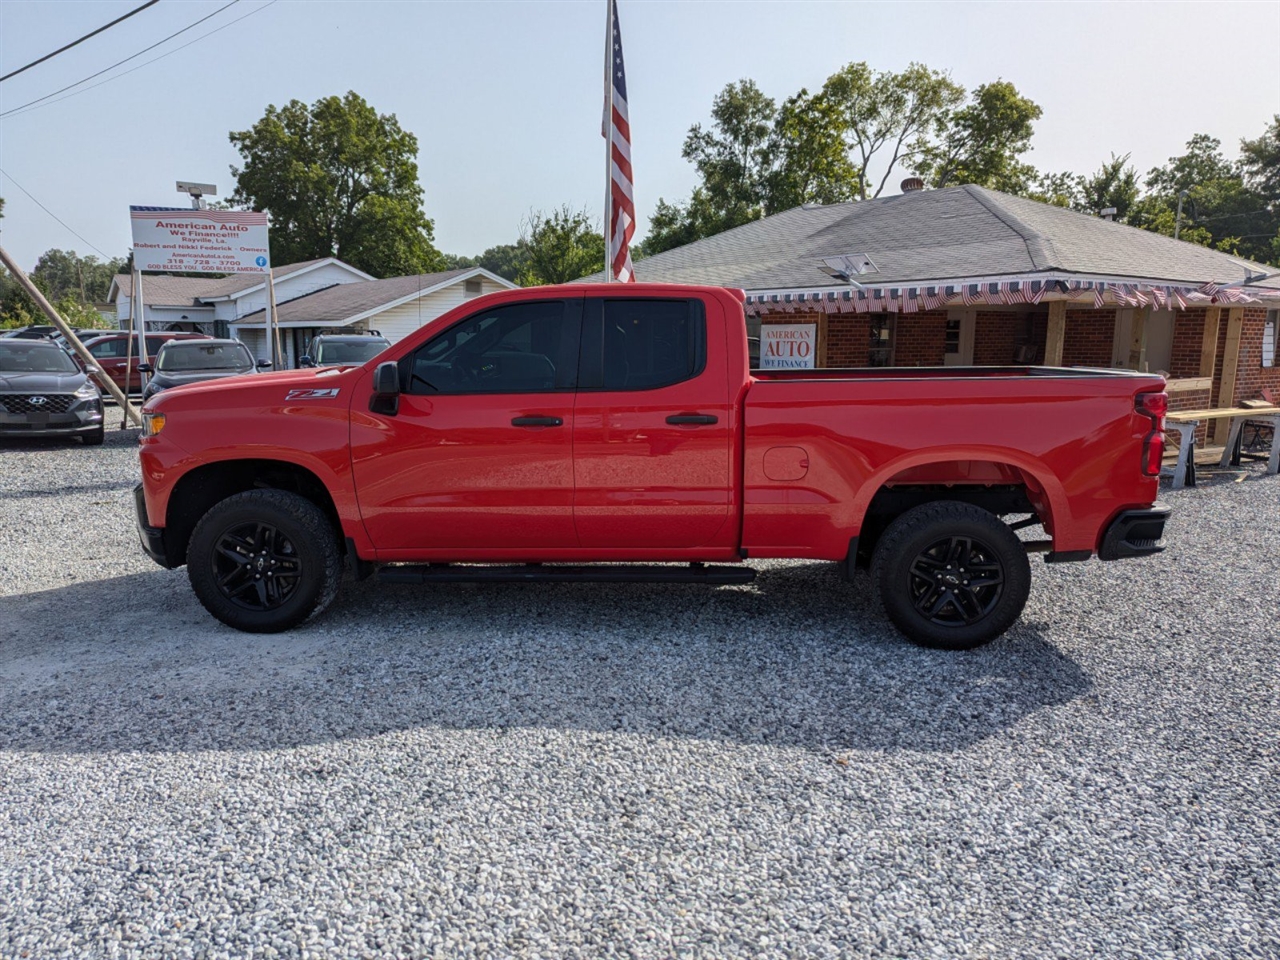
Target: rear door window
pixel 643 344
pixel 109 349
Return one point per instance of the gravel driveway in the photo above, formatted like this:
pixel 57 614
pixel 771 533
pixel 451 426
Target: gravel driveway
pixel 632 771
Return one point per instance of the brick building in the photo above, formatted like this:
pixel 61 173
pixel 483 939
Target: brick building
pixel 969 276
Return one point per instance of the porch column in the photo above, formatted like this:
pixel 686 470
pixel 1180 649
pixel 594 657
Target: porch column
pixel 1230 365
pixel 1056 333
pixel 1138 339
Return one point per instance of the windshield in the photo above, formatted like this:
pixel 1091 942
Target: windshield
pixel 350 351
pixel 197 355
pixel 32 356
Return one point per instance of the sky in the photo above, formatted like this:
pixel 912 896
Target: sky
pixel 505 96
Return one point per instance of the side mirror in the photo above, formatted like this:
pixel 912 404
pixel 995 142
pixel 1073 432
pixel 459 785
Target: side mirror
pixel 264 364
pixel 306 361
pixel 145 367
pixel 386 389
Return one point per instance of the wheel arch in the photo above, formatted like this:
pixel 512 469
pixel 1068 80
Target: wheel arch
pixel 197 490
pixel 983 477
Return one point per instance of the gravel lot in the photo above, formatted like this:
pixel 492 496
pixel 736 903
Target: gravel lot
pixel 632 771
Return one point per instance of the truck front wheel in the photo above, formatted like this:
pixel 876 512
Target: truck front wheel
pixel 264 561
pixel 951 575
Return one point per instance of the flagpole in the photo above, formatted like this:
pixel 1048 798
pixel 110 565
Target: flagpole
pixel 608 137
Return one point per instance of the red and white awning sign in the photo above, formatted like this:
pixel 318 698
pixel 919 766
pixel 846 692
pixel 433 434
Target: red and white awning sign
pixel 177 240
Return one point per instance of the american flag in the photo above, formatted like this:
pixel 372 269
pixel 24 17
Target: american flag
pixel 621 215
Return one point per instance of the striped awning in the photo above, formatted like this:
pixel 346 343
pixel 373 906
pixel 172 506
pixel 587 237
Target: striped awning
pixel 1004 292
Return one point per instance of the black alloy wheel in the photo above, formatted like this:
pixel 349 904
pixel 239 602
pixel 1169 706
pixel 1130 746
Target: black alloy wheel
pixel 264 560
pixel 951 575
pixel 956 581
pixel 256 566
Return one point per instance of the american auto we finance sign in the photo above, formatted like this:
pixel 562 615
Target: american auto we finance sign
pixel 199 241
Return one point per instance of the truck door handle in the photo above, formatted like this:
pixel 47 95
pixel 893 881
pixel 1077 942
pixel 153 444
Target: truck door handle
pixel 537 422
pixel 692 418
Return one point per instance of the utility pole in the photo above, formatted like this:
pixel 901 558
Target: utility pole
pixel 1177 223
pixel 90 363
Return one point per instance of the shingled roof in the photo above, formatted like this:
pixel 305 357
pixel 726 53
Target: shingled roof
pixel 346 302
pixel 938 235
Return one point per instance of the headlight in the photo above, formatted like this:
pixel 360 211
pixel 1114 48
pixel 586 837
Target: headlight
pixel 87 390
pixel 152 423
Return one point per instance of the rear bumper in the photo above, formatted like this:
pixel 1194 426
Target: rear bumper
pixel 152 537
pixel 1135 533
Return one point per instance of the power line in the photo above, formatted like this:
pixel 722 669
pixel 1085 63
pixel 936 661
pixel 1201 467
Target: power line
pixel 119 62
pixel 50 56
pixel 48 211
pixel 203 36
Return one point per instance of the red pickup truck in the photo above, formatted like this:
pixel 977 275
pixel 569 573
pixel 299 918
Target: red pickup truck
pixel 592 432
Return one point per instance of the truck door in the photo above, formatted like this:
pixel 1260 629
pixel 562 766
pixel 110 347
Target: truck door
pixel 651 426
pixel 476 462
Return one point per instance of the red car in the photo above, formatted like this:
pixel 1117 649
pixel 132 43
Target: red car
pixel 592 432
pixel 110 351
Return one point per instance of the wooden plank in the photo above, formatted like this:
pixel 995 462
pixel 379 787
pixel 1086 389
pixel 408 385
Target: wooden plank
pixel 1056 333
pixel 1209 345
pixel 1217 413
pixel 1138 339
pixel 1230 366
pixel 1188 384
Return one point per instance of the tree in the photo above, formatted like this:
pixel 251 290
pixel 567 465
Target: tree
pixel 811 164
pixel 982 142
pixel 64 272
pixel 339 179
pixel 560 247
pixel 900 113
pixel 1221 209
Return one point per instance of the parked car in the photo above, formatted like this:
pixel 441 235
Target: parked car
pixel 343 349
pixel 584 432
pixel 194 361
pixel 44 393
pixel 111 350
pixel 34 332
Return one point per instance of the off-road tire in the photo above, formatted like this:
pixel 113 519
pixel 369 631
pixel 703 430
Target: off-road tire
pixel 226 571
pixel 956 605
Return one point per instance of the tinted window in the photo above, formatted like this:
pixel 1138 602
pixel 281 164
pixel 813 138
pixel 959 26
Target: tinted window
pixel 517 348
pixel 204 355
pixel 32 356
pixel 109 348
pixel 349 351
pixel 652 343
pixel 153 345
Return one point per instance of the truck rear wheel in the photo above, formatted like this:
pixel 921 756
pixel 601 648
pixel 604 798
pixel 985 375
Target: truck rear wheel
pixel 951 575
pixel 264 561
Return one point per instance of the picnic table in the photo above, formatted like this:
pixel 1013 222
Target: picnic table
pixel 1187 421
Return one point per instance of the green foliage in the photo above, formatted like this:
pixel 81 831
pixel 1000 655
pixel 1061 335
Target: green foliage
pixel 77 313
pixel 64 272
pixel 898 113
pixel 1230 206
pixel 339 179
pixel 757 159
pixel 560 247
pixel 981 142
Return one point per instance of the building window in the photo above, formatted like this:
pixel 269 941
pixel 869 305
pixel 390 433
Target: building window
pixel 880 349
pixel 472 288
pixel 1269 333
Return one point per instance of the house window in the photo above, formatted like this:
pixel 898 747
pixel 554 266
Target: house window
pixel 951 338
pixel 472 288
pixel 880 349
pixel 1269 333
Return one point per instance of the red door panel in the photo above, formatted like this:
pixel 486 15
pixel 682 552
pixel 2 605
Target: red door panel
pixel 453 474
pixel 642 480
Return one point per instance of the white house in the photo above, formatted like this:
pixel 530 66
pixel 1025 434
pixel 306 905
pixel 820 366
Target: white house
pixel 324 294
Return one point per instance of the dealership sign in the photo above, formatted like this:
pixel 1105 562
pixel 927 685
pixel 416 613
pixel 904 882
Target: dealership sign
pixel 788 346
pixel 199 241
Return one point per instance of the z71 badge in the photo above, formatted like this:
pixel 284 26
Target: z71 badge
pixel 327 394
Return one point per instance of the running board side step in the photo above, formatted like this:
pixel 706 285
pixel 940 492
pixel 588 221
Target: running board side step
pixel 553 573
